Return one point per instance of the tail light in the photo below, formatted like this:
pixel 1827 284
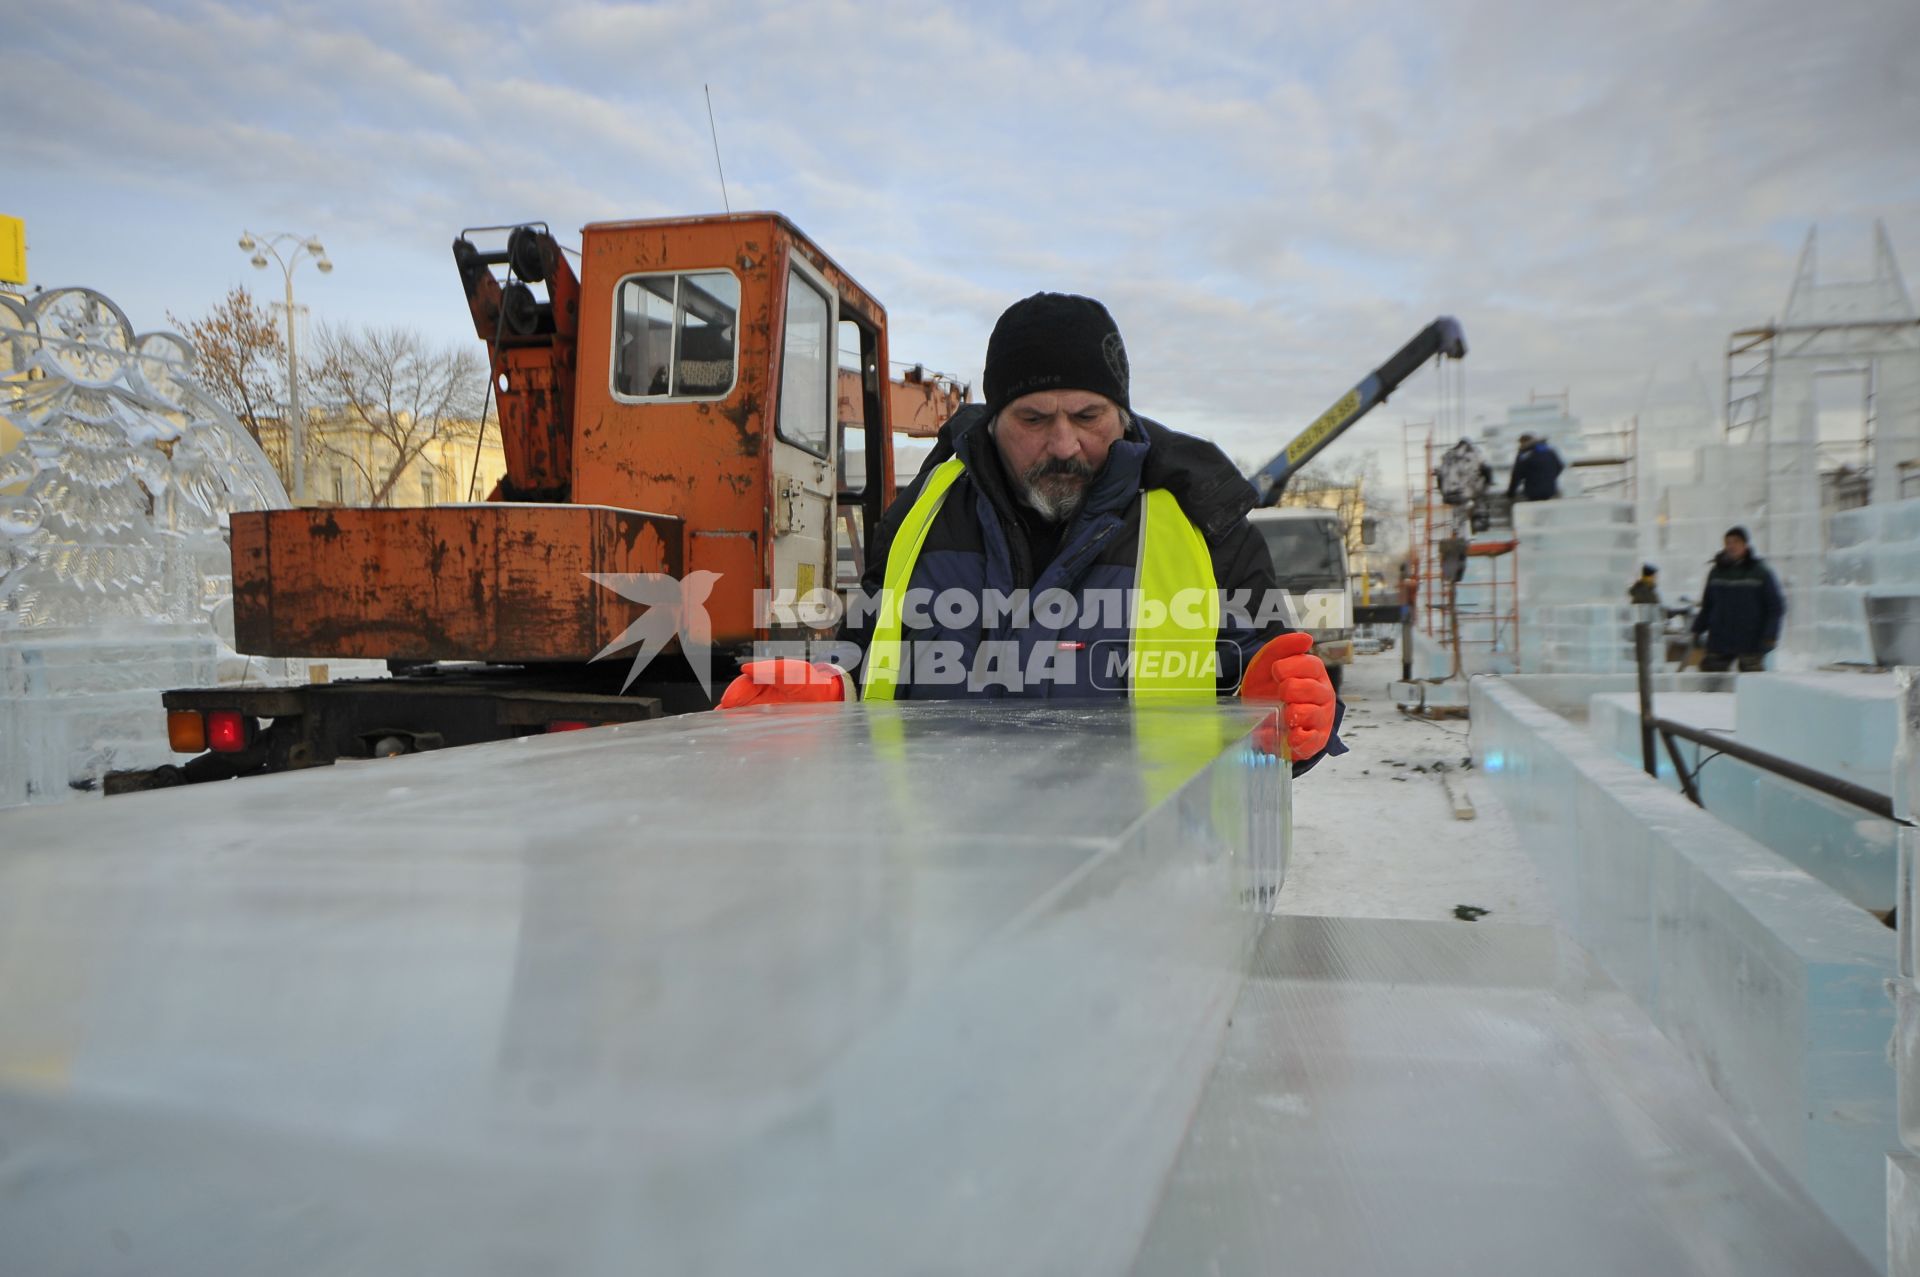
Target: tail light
pixel 186 731
pixel 226 731
pixel 568 725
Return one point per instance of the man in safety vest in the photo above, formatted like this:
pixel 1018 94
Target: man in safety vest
pixel 1057 545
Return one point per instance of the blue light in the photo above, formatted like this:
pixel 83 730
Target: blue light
pixel 1493 761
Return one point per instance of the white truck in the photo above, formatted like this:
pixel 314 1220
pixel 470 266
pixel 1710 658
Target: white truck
pixel 1309 552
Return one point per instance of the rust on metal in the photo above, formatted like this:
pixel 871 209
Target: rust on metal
pixel 475 583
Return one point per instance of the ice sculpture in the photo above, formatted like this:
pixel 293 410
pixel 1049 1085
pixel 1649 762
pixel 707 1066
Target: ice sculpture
pixel 115 579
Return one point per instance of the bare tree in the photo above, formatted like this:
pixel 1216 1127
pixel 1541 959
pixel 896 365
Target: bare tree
pixel 1353 478
pixel 243 359
pixel 391 384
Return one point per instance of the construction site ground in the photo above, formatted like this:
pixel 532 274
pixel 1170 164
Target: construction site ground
pixel 1374 831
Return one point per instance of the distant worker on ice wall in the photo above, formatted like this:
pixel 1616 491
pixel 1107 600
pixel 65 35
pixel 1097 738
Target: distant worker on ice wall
pixel 1536 470
pixel 1646 587
pixel 1741 608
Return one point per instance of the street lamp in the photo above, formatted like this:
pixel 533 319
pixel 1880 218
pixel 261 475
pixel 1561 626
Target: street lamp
pixel 295 247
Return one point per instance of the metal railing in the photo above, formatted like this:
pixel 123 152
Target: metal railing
pixel 1668 731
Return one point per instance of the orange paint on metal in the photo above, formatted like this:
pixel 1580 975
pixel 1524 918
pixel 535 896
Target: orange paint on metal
pixel 709 461
pixel 606 484
pixel 470 583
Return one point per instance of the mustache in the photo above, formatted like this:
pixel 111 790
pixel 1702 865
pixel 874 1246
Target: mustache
pixel 1057 467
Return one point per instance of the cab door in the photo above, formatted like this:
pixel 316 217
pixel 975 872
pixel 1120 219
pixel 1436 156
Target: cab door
pixel 805 468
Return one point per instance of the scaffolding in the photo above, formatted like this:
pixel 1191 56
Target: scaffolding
pixel 1476 619
pixel 1786 385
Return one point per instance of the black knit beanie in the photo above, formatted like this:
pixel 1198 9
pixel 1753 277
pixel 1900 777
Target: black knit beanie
pixel 1055 341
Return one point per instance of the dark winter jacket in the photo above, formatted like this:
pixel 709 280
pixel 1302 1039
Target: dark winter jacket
pixel 983 539
pixel 1536 473
pixel 1643 590
pixel 1741 607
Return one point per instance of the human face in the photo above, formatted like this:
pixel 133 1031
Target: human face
pixel 1053 442
pixel 1736 548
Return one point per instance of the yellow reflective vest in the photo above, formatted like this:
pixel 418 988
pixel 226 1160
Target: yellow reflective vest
pixel 1174 612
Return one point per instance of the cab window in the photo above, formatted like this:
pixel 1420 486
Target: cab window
pixel 807 363
pixel 676 335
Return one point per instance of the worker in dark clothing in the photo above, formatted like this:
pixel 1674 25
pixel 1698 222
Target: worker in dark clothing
pixel 1646 588
pixel 1536 471
pixel 1741 608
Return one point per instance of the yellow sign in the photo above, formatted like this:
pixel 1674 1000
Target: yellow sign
pixel 1320 429
pixel 13 250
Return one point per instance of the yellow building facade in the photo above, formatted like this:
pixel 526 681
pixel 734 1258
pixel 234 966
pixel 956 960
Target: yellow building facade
pixel 1349 501
pixel 348 463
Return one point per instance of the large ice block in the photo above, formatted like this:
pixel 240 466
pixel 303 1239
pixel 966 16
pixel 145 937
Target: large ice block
pixel 824 989
pixel 1903 1215
pixel 1843 723
pixel 76 705
pixel 1907 898
pixel 1537 516
pixel 1850 850
pixel 1906 751
pixel 1906 1057
pixel 1770 981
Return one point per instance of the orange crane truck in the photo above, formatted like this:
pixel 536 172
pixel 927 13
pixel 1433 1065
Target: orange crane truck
pixel 679 409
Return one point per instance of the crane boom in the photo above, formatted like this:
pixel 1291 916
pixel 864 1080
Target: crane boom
pixel 1442 337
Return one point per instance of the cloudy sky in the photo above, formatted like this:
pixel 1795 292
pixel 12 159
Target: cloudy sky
pixel 1270 196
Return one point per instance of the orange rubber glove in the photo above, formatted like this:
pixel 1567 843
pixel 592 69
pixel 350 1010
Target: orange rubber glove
pixel 785 680
pixel 1286 671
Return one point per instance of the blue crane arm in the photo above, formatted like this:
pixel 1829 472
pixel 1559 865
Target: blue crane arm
pixel 1442 337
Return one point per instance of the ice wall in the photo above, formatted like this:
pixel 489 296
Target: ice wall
pixel 1769 981
pixel 115 580
pixel 1903 1164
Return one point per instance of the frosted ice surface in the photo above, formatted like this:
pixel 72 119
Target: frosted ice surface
pixel 652 998
pixel 113 559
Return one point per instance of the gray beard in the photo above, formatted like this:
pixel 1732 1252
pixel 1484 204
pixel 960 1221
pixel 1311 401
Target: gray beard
pixel 1054 509
pixel 1055 506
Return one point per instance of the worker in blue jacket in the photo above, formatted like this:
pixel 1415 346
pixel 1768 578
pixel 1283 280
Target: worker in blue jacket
pixel 1536 471
pixel 1741 608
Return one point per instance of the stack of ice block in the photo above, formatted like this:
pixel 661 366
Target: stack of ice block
pixel 1903 1167
pixel 74 706
pixel 1866 609
pixel 1577 558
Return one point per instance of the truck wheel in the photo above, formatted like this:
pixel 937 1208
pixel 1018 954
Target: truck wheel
pixel 1333 675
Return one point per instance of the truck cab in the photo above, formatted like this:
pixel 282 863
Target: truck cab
pixel 1309 551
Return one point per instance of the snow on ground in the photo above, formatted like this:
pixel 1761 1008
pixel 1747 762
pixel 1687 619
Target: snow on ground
pixel 1373 838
